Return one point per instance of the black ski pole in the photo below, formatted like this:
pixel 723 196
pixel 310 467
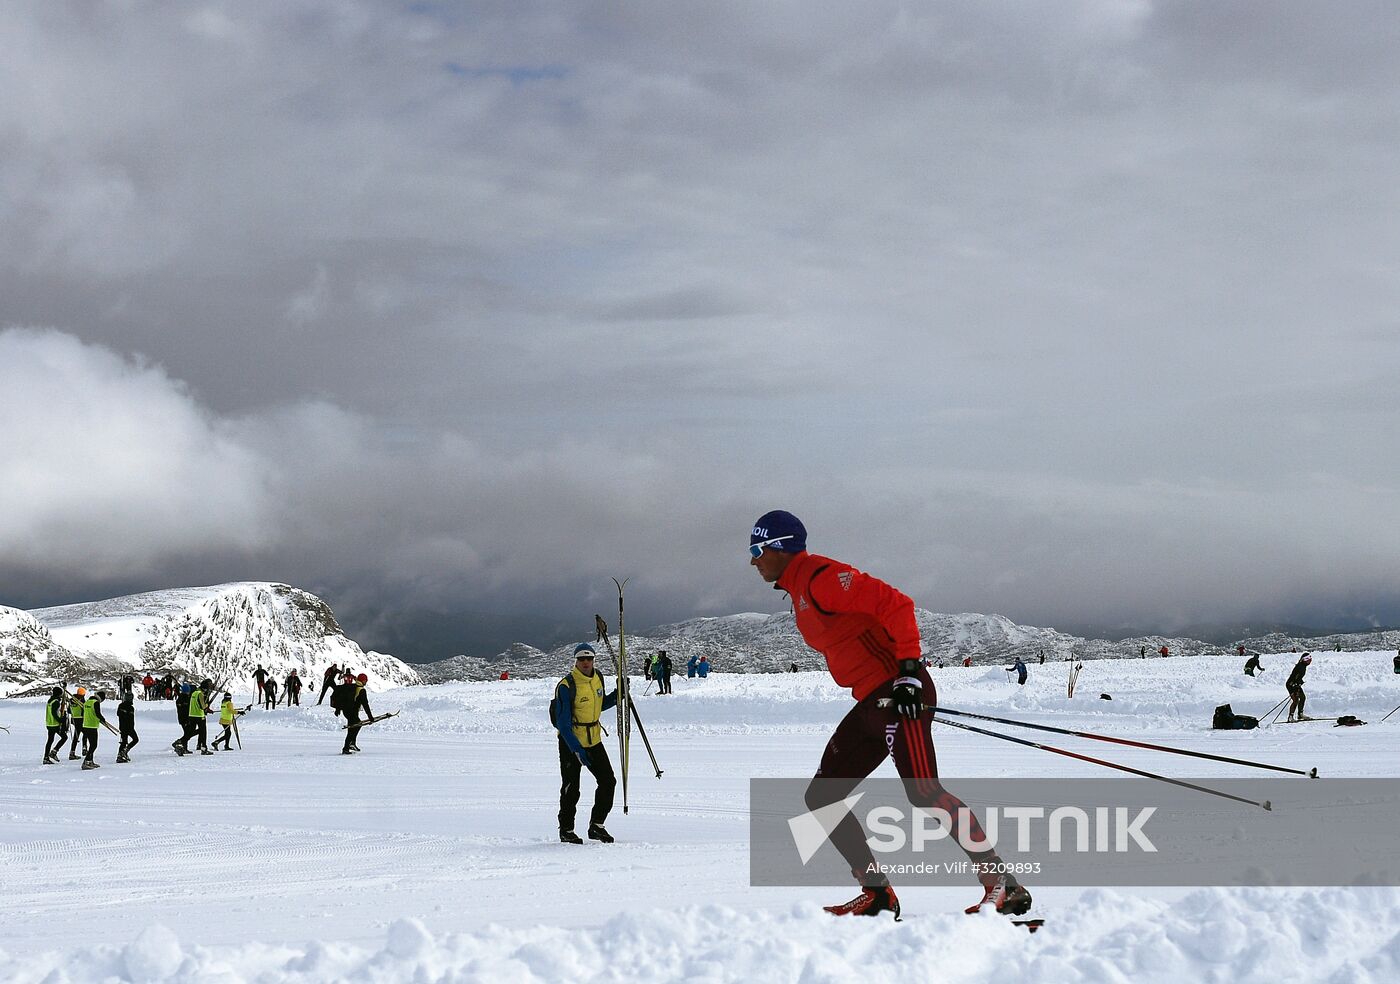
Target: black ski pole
pixel 1272 709
pixel 1388 715
pixel 1112 765
pixel 638 718
pixel 1312 774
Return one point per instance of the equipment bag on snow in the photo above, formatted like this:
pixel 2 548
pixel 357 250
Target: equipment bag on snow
pixel 1227 720
pixel 1348 721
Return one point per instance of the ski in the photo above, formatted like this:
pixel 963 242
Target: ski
pixel 1031 924
pixel 624 694
pixel 366 722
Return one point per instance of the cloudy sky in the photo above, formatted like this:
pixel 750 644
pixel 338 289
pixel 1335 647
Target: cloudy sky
pixel 1086 313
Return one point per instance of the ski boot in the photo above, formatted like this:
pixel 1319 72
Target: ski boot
pixel 50 760
pixel 205 751
pixel 122 759
pixel 870 902
pixel 597 832
pixel 179 750
pixel 1005 895
pixel 569 837
pixel 73 756
pixel 88 764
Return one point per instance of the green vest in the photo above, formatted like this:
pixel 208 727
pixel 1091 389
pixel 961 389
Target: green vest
pixel 197 704
pixel 90 713
pixel 588 706
pixel 76 710
pixel 52 716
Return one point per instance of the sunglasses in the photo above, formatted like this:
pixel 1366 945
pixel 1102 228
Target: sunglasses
pixel 756 549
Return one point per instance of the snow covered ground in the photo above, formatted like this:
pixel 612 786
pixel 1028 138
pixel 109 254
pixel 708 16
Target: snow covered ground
pixel 433 855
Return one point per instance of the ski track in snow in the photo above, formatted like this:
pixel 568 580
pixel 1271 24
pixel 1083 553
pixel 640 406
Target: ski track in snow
pixel 432 856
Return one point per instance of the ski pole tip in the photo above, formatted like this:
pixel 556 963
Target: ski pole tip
pixel 1269 806
pixel 1313 773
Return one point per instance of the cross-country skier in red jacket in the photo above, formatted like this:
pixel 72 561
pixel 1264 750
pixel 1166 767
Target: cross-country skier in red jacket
pixel 866 630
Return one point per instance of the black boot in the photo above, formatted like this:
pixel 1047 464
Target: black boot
pixel 569 837
pixel 597 832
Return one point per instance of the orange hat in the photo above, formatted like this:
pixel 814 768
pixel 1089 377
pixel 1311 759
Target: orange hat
pixel 81 691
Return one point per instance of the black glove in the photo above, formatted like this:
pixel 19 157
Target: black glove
pixel 908 690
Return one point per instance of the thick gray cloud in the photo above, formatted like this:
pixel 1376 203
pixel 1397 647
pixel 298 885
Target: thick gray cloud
pixel 1081 314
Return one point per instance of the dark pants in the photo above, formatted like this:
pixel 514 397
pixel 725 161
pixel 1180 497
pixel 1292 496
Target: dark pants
pixel 262 691
pixel 195 728
pixel 225 736
pixel 351 733
pixel 1296 700
pixel 129 740
pixel 294 697
pixel 666 683
pixel 54 743
pixel 864 738
pixel 325 689
pixel 570 769
pixel 77 728
pixel 89 743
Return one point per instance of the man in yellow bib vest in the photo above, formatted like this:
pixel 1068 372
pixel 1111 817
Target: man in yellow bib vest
pixel 579 702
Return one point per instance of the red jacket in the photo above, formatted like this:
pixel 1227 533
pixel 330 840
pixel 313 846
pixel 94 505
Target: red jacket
pixel 859 623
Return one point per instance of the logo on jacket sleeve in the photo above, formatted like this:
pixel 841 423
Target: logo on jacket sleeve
pixel 845 578
pixel 801 603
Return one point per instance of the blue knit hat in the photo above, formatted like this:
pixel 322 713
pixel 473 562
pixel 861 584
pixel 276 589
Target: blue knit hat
pixel 784 527
pixel 583 647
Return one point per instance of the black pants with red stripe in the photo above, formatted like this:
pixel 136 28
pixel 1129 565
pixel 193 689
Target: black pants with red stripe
pixel 865 737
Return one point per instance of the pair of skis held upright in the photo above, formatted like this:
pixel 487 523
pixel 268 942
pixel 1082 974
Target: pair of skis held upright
pixel 626 710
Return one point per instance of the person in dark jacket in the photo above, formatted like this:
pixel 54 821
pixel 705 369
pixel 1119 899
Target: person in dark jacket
pixel 270 687
pixel 126 726
pixel 292 691
pixel 690 666
pixel 579 702
pixel 666 667
pixel 1021 672
pixel 342 694
pixel 1252 665
pixel 182 717
pixel 357 701
pixel 328 682
pixel 1296 697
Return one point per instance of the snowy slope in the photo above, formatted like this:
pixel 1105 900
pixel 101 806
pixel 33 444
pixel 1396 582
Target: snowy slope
pixel 432 855
pixel 223 632
pixel 28 650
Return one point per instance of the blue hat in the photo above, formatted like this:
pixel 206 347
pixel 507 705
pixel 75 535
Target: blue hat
pixel 583 647
pixel 784 528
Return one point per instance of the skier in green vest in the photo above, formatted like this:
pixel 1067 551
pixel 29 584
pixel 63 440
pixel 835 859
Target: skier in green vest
pixel 92 720
pixel 54 719
pixel 75 712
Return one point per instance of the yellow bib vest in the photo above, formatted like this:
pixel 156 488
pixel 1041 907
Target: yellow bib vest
pixel 90 713
pixel 226 713
pixel 197 704
pixel 588 706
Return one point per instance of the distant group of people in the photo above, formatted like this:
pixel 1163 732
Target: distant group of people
pixel 78 717
pixel 657 668
pixel 265 687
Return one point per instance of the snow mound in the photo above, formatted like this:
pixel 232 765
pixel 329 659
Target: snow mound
pixel 1239 936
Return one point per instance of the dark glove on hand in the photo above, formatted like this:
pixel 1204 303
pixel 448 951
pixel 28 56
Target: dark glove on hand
pixel 908 691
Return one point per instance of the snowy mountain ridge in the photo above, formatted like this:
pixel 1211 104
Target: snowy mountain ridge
pixel 753 642
pixel 223 632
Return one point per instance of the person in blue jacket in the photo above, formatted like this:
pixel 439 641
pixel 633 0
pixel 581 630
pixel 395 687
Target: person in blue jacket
pixel 580 699
pixel 703 667
pixel 1021 672
pixel 690 668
